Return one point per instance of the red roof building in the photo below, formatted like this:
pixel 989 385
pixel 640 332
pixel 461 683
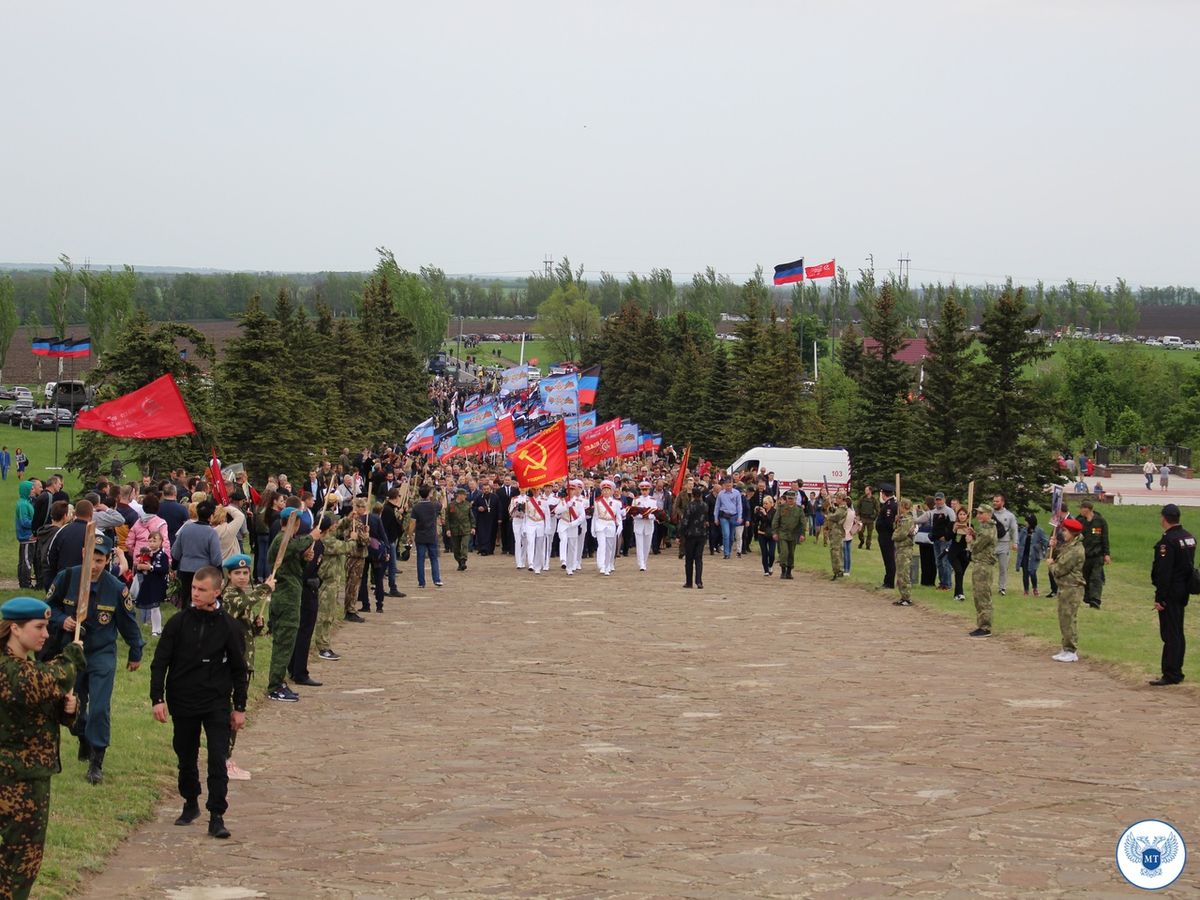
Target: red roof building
pixel 913 352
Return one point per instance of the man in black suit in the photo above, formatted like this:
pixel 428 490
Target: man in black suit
pixel 507 491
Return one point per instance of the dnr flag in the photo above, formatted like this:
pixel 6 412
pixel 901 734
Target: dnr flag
pixel 786 273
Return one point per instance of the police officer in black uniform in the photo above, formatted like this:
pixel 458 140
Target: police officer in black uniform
pixel 885 524
pixel 1174 559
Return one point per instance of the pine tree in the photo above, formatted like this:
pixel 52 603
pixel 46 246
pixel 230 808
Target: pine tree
pixel 850 353
pixel 712 414
pixel 752 360
pixel 142 352
pixel 684 420
pixel 258 399
pixel 949 371
pixel 1006 423
pixel 882 437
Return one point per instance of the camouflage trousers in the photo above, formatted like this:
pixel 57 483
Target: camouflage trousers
pixel 330 607
pixel 787 553
pixel 24 812
pixel 981 591
pixel 458 546
pixel 904 555
pixel 1069 598
pixel 835 555
pixel 355 565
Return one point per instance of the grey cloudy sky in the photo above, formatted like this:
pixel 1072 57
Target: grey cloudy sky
pixel 1038 139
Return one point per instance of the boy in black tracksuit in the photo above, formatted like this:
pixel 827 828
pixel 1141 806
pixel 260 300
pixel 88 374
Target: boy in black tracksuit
pixel 200 661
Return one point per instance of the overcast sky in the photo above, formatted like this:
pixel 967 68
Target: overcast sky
pixel 1039 139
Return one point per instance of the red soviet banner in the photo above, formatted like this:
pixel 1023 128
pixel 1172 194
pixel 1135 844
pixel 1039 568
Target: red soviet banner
pixel 154 411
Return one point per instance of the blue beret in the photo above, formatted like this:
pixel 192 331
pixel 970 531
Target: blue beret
pixel 23 609
pixel 104 543
pixel 238 561
pixel 286 512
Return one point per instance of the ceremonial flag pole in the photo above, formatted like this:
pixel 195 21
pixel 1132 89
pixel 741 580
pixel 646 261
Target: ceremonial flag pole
pixel 970 500
pixel 85 578
pixel 897 487
pixel 288 531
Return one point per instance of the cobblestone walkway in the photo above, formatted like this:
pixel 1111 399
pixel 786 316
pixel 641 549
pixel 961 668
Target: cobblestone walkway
pixel 512 736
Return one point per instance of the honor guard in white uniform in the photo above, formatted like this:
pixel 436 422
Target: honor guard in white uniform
pixel 549 503
pixel 572 515
pixel 536 514
pixel 642 509
pixel 516 514
pixel 607 516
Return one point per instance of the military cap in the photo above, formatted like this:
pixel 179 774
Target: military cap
pixel 697 491
pixel 104 543
pixel 886 489
pixel 643 484
pixel 24 609
pixel 606 483
pixel 983 509
pixel 460 490
pixel 237 561
pixel 1072 525
pixel 577 482
pixel 787 494
pixel 1170 511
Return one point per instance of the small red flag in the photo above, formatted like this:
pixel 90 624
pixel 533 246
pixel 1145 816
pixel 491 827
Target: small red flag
pixel 541 459
pixel 599 443
pixel 824 270
pixel 683 467
pixel 216 481
pixel 508 434
pixel 154 411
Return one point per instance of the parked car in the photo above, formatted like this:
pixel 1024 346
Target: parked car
pixel 71 395
pixel 14 409
pixel 22 393
pixel 6 393
pixel 21 419
pixel 48 419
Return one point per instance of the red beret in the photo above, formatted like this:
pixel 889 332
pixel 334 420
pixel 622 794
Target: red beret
pixel 1073 525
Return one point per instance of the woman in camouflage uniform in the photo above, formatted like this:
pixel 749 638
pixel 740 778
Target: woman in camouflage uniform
pixel 34 701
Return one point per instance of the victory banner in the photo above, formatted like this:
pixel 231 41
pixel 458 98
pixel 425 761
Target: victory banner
pixel 627 440
pixel 599 443
pixel 543 458
pixel 514 379
pixel 481 418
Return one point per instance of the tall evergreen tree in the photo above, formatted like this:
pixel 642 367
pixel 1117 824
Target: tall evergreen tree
pixel 881 441
pixel 253 379
pixel 684 419
pixel 751 403
pixel 712 413
pixel 1007 425
pixel 850 353
pixel 949 372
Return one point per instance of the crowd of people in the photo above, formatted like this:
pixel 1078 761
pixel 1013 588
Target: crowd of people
pixel 291 560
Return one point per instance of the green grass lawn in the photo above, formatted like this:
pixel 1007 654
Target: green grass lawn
pixel 1123 634
pixel 510 353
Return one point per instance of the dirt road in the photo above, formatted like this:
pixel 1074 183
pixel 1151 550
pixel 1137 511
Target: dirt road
pixel 512 735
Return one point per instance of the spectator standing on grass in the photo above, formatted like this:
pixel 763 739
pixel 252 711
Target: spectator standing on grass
pixel 195 546
pixel 23 520
pixel 1006 537
pixel 5 462
pixel 1067 565
pixel 1096 553
pixel 22 462
pixel 1032 546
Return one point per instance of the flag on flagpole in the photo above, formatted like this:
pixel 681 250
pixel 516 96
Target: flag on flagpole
pixel 599 443
pixel 589 383
pixel 216 480
pixel 543 458
pixel 823 270
pixel 683 465
pixel 786 273
pixel 154 411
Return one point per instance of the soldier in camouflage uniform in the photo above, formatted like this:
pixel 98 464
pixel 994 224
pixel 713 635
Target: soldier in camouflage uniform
pixel 787 526
pixel 835 532
pixel 1067 562
pixel 903 535
pixel 981 538
pixel 34 701
pixel 245 603
pixel 354 530
pixel 459 527
pixel 330 594
pixel 284 611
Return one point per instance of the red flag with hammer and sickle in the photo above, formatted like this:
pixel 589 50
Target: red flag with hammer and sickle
pixel 542 458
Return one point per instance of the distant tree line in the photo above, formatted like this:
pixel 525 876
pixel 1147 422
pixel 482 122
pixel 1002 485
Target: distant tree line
pixel 70 291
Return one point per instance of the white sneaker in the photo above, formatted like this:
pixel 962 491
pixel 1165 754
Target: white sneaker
pixel 1066 656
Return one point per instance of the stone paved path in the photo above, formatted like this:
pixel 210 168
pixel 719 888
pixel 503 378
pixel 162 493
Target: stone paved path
pixel 512 736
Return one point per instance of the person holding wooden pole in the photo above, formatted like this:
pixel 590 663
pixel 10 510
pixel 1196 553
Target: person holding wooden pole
pixel 95 609
pixel 290 550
